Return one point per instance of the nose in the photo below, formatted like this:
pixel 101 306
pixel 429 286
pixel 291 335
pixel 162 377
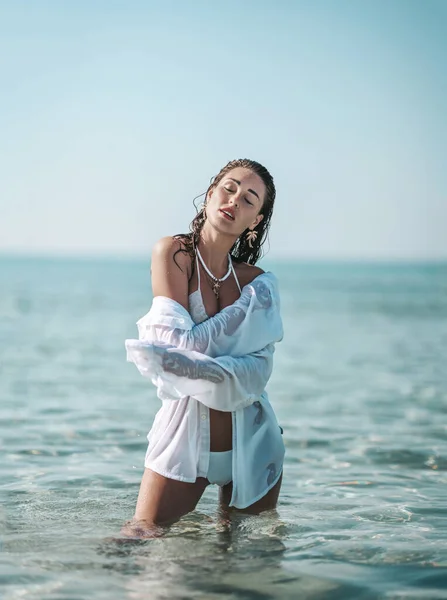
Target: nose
pixel 236 199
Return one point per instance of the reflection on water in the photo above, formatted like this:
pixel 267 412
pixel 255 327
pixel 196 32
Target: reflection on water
pixel 359 386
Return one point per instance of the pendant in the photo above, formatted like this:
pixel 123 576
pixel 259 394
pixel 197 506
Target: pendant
pixel 216 288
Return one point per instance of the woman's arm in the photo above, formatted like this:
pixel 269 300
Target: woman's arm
pixel 170 269
pixel 225 383
pixel 255 311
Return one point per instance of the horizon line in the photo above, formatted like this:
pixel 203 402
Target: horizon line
pixel 279 258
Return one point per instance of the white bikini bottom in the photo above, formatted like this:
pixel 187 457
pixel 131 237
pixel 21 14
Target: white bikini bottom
pixel 220 469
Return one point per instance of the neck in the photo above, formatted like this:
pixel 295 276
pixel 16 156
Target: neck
pixel 214 248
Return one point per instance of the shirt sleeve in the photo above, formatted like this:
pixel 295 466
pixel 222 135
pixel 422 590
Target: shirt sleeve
pixel 225 383
pixel 212 337
pixel 248 325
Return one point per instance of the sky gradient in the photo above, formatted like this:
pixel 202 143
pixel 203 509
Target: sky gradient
pixel 115 115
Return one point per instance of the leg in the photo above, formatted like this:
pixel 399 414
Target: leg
pixel 162 501
pixel 267 502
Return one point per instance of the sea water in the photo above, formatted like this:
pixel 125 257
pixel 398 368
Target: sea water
pixel 359 387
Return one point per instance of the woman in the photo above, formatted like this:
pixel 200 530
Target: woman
pixel 207 344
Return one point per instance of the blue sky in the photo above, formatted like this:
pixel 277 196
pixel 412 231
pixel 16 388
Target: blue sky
pixel 115 115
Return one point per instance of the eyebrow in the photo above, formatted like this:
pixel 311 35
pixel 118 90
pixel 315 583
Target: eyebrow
pixel 250 190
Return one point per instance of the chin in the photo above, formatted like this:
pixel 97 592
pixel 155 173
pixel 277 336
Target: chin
pixel 223 227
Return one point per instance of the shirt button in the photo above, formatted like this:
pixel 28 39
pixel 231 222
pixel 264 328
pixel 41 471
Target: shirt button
pixel 203 417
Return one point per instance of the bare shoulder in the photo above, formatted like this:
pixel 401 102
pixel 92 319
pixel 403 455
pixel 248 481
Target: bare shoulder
pixel 246 273
pixel 170 270
pixel 169 252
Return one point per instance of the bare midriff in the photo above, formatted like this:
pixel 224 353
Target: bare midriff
pixel 221 431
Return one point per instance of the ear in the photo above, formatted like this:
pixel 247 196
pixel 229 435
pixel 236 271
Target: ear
pixel 209 194
pixel 257 221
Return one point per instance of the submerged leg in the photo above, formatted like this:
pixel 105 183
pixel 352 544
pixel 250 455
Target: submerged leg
pixel 267 502
pixel 162 501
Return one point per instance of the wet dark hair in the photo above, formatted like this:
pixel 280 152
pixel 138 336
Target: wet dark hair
pixel 241 251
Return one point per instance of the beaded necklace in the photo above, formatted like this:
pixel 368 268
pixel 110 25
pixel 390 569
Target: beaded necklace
pixel 216 282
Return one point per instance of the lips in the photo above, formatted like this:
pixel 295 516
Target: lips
pixel 228 213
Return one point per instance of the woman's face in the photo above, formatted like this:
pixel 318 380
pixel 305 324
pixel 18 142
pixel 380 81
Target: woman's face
pixel 234 204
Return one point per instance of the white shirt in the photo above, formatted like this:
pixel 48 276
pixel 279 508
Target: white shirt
pixel 223 363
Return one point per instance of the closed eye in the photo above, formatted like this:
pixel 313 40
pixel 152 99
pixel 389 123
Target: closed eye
pixel 231 191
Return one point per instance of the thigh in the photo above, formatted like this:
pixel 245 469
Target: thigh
pixel 267 502
pixel 162 501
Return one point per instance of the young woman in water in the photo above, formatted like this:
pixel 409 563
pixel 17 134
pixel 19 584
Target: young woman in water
pixel 224 432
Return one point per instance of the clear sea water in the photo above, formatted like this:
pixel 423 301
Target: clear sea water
pixel 359 386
